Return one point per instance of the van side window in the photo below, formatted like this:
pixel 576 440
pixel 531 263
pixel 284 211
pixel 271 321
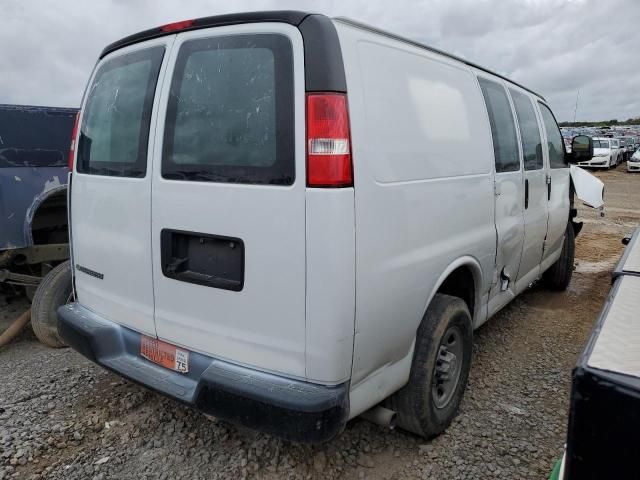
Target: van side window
pixel 503 129
pixel 230 111
pixel 114 134
pixel 529 131
pixel 554 139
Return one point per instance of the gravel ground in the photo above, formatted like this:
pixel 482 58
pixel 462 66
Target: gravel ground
pixel 63 417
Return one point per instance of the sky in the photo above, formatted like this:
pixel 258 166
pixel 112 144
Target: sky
pixel 555 47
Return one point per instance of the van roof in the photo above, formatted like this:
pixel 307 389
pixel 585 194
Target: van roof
pixel 292 17
pixel 364 26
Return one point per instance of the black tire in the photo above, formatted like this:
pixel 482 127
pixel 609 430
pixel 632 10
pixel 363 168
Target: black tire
pixel 53 291
pixel 559 274
pixel 416 403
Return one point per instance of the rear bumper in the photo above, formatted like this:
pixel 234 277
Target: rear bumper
pixel 291 409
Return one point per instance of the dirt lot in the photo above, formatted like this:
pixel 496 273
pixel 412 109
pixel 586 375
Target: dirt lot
pixel 63 417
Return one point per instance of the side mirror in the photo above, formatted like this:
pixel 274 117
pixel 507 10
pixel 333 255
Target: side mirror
pixel 581 149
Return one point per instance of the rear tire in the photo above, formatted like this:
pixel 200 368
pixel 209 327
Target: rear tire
pixel 423 406
pixel 53 291
pixel 559 274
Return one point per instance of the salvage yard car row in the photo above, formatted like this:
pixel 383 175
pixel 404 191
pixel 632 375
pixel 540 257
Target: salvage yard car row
pixel 611 146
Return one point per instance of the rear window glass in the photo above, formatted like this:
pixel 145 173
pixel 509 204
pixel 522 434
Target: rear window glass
pixel 230 111
pixel 115 124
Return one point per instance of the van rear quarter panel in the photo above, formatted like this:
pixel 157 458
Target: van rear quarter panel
pixel 423 187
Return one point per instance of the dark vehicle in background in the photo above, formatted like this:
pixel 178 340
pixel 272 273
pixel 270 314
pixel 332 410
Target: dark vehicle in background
pixel 34 245
pixel 630 147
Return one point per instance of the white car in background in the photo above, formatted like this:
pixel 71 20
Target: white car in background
pixel 633 164
pixel 606 153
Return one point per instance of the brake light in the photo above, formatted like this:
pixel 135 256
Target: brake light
pixel 175 26
pixel 72 147
pixel 328 141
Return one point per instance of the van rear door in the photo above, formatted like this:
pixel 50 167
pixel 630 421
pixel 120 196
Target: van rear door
pixel 111 186
pixel 228 221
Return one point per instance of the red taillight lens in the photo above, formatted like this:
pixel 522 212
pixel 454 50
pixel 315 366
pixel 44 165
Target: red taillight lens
pixel 72 147
pixel 328 141
pixel 175 26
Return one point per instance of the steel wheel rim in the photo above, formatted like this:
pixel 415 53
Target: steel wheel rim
pixel 446 373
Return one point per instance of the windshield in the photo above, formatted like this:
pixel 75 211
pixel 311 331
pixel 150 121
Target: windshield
pixel 601 144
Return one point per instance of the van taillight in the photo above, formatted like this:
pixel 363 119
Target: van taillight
pixel 72 148
pixel 328 141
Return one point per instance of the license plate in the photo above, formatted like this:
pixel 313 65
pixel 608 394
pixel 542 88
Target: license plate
pixel 164 354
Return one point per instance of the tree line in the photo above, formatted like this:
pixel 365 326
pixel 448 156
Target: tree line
pixel 604 123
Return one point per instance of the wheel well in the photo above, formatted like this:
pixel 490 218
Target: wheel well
pixel 460 283
pixel 50 223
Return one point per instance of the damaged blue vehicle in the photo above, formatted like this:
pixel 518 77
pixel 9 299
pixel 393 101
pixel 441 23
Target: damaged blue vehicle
pixel 34 245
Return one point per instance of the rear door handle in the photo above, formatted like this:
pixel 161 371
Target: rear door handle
pixel 548 188
pixel 526 193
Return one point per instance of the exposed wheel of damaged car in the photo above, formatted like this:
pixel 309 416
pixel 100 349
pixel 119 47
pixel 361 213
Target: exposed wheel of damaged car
pixel 53 292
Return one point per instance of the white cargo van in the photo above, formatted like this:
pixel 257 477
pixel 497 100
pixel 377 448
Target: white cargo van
pixel 286 220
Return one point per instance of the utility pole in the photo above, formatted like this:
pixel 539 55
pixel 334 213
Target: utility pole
pixel 575 111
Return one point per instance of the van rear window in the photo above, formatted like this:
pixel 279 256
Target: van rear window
pixel 230 111
pixel 115 124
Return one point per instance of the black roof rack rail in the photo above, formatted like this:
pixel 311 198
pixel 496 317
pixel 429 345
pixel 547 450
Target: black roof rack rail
pixel 364 26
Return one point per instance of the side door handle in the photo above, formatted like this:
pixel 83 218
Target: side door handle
pixel 548 188
pixel 526 193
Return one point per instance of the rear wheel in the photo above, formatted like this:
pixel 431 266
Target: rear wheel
pixel 559 274
pixel 53 291
pixel 439 371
